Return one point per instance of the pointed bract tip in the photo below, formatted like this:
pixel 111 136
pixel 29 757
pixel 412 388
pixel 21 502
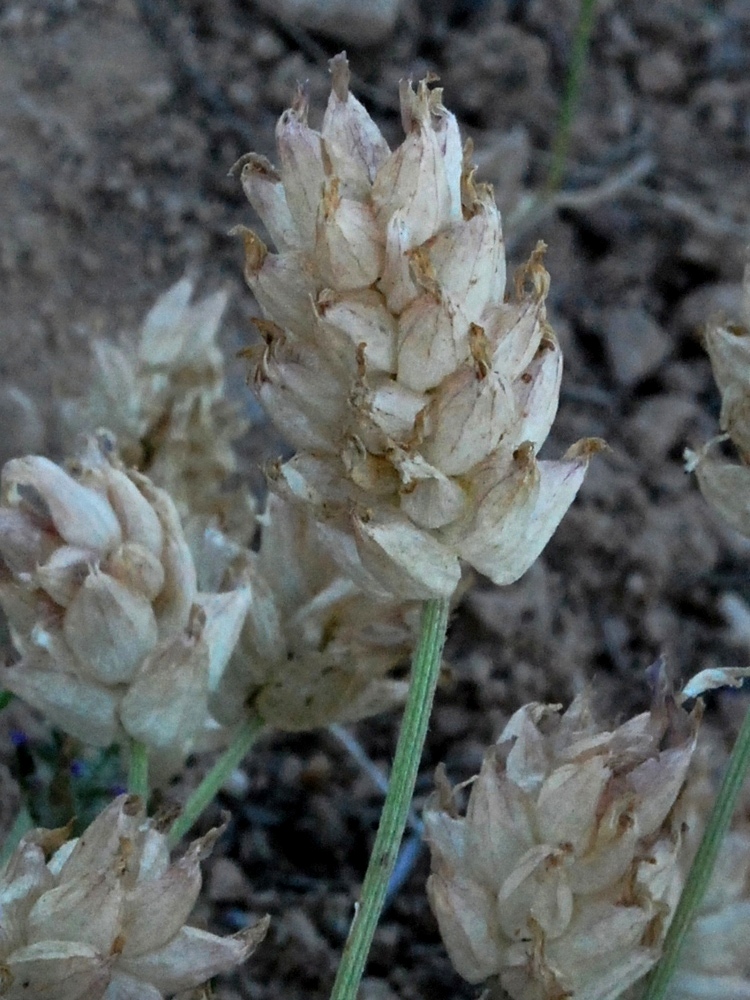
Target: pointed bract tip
pixel 585 449
pixel 340 76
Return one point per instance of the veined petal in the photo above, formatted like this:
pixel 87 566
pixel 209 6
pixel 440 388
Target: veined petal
pixel 102 845
pixel 349 249
pixel 265 192
pixel 568 800
pixel 465 912
pixel 537 393
pixel 109 628
pixel 302 395
pixel 318 480
pixel 83 909
pixel 192 957
pixel 427 495
pixel 82 516
pixel 413 179
pixel 281 284
pixel 56 970
pixel 167 701
pixel 514 330
pixel 136 568
pixel 359 318
pixel 397 284
pixel 225 616
pixel 393 409
pixel 172 606
pixel 463 260
pixel 499 825
pixel 470 413
pixel 155 910
pixel 726 485
pixel 433 342
pixel 303 166
pixel 449 142
pixel 81 708
pixel 353 140
pixel 138 519
pixel 158 344
pixel 504 552
pixel 506 495
pixel 406 559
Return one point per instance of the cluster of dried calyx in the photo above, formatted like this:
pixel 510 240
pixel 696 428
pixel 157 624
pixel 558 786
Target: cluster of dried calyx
pixel 416 393
pixel 103 915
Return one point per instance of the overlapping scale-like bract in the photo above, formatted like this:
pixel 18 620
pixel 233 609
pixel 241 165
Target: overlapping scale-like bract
pixel 561 878
pixel 726 484
pixel 314 649
pixel 163 394
pixel 100 590
pixel 103 916
pixel 416 394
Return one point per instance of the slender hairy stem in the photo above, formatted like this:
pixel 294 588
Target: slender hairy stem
pixel 425 671
pixel 703 864
pixel 206 791
pixel 138 769
pixel 572 95
pixel 21 825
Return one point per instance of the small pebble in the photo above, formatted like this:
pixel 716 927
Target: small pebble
pixel 345 20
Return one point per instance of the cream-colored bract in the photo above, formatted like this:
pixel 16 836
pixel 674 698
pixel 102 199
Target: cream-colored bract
pixel 561 878
pixel 103 916
pixel 416 393
pixel 102 599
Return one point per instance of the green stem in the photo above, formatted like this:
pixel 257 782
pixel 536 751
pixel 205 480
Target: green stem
pixel 138 769
pixel 206 791
pixel 425 671
pixel 703 863
pixel 5 699
pixel 21 826
pixel 572 95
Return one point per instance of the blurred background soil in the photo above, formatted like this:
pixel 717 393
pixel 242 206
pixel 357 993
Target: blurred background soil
pixel 119 122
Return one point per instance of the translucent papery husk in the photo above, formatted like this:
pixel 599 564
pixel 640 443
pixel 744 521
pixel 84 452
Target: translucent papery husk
pixel 714 960
pixel 115 640
pixel 314 648
pixel 562 876
pixel 395 362
pixel 163 395
pixel 728 346
pixel 104 916
pixel 726 486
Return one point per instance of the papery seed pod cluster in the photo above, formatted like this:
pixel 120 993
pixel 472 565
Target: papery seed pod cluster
pixel 314 649
pixel 99 587
pixel 103 916
pixel 726 484
pixel 560 879
pixel 163 396
pixel 416 393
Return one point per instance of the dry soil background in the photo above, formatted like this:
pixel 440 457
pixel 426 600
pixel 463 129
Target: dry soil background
pixel 119 120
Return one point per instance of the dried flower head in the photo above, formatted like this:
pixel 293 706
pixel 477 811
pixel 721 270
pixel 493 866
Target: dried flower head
pixel 560 879
pixel 726 485
pixel 164 398
pixel 416 395
pixel 314 649
pixel 99 587
pixel 102 917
